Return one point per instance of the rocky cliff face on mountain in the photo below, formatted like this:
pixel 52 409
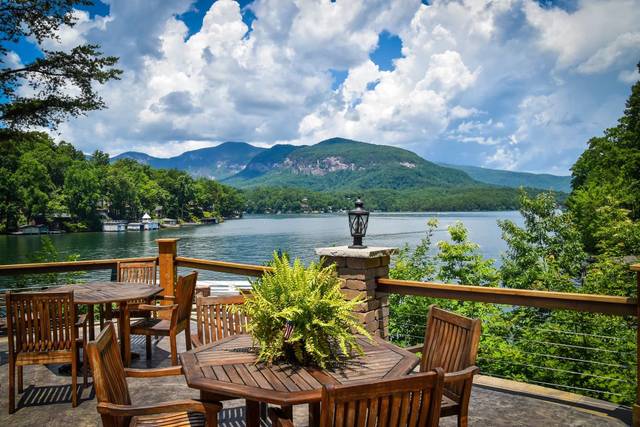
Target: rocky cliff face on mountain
pixel 337 164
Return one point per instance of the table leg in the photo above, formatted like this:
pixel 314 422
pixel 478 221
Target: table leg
pixel 253 414
pixel 314 414
pixel 92 329
pixel 125 339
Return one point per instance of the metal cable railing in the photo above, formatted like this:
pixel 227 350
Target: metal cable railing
pixel 593 364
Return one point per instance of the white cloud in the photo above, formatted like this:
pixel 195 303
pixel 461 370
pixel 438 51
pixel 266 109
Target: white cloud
pixel 579 37
pixel 509 84
pixel 629 76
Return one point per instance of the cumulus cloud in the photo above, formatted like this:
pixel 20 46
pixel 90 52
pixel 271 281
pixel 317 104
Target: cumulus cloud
pixel 509 84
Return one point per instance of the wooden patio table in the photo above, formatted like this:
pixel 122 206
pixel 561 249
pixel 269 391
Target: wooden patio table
pixel 228 368
pixel 93 293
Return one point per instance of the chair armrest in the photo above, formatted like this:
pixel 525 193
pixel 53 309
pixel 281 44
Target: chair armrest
pixel 195 341
pixel 159 408
pixel 465 374
pixel 149 307
pixel 82 320
pixel 279 419
pixel 152 373
pixel 415 348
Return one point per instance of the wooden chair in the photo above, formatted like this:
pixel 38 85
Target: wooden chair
pixel 43 329
pixel 137 272
pixel 218 317
pixel 131 272
pixel 451 342
pixel 171 319
pixel 409 401
pixel 114 401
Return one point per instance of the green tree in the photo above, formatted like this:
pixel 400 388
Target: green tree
pixel 608 171
pixel 83 190
pixel 545 254
pixel 62 83
pixel 461 261
pixel 33 186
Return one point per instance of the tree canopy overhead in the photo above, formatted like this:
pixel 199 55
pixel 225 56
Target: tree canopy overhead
pixel 57 85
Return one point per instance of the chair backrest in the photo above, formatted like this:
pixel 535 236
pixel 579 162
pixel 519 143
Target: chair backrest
pixel 40 322
pixel 220 317
pixel 137 272
pixel 450 342
pixel 185 289
pixel 109 379
pixel 409 401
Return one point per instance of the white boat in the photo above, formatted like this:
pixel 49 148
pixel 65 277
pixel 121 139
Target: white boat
pixel 135 226
pixel 109 226
pixel 169 223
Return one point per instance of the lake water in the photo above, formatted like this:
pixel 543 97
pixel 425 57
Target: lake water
pixel 254 238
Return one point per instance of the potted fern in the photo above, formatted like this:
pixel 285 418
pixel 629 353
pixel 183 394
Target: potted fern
pixel 300 314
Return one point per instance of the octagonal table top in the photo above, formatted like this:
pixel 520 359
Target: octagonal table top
pixel 106 292
pixel 229 367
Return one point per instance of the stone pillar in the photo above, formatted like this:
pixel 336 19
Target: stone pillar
pixel 359 269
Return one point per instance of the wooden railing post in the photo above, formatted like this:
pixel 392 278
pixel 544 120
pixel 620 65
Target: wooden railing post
pixel 167 252
pixel 636 405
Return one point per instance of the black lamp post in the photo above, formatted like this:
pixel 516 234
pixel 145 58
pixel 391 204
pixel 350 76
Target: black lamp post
pixel 358 221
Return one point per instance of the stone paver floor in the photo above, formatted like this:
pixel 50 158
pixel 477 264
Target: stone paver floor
pixel 46 400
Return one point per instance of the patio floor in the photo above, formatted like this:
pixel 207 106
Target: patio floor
pixel 46 400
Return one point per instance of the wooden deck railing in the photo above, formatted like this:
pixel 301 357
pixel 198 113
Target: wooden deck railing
pixel 67 266
pixel 604 304
pixel 223 266
pixel 169 262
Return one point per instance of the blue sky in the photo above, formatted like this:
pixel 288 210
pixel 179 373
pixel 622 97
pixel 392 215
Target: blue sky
pixel 518 84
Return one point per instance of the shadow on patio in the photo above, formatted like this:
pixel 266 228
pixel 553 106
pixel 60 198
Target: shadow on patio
pixel 46 399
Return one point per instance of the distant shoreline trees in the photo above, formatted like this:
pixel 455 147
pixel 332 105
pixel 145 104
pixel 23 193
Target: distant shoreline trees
pixel 42 181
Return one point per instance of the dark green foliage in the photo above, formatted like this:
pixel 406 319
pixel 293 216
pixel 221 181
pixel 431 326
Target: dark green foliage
pixel 41 181
pixel 61 82
pixel 290 199
pixel 578 352
pixel 546 254
pixel 608 172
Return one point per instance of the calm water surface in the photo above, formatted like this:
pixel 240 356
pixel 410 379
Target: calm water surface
pixel 254 238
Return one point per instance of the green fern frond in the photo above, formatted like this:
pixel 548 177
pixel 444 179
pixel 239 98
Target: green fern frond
pixel 311 300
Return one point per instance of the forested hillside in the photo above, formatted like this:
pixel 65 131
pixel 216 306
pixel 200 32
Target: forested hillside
pixel 514 179
pixel 41 181
pixel 45 182
pixel 342 164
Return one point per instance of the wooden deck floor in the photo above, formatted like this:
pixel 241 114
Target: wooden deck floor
pixel 46 400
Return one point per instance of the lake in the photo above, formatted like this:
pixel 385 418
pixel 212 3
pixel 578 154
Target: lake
pixel 254 238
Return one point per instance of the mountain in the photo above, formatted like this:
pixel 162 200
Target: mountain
pixel 341 164
pixel 515 179
pixel 218 162
pixel 266 161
